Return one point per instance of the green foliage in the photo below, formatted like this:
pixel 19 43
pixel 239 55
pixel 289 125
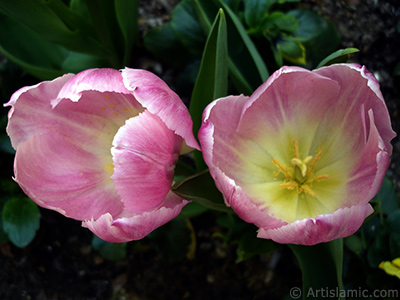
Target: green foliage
pixel 316 34
pixel 201 189
pixel 244 235
pixel 111 251
pixel 339 56
pixel 20 220
pixel 249 245
pixel 175 240
pixel 377 240
pixel 321 265
pixel 212 80
pixel 49 38
pixel 259 33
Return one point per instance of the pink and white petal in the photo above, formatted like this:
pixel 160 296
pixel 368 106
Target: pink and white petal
pixel 369 170
pixel 155 95
pixel 94 120
pixel 245 208
pixel 261 89
pixel 228 108
pixel 359 87
pixel 29 108
pixel 101 80
pixel 59 175
pixel 129 227
pixel 214 117
pixel 145 152
pixel 222 148
pixel 290 97
pixel 342 223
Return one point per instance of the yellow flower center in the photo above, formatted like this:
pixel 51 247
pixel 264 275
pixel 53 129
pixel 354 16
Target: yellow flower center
pixel 299 176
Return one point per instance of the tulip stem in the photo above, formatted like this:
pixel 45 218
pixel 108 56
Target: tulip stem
pixel 321 267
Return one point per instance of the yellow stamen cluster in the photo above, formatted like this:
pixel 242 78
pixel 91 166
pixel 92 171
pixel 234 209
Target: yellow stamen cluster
pixel 300 176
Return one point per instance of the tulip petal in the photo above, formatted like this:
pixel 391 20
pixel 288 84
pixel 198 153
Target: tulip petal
pixel 282 103
pixel 155 95
pixel 92 122
pixel 145 152
pixel 223 147
pixel 28 105
pixel 364 90
pixel 128 226
pixel 101 80
pixel 369 170
pixel 217 154
pixel 343 222
pixel 59 175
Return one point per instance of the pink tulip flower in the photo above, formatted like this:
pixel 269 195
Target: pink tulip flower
pixel 101 147
pixel 301 157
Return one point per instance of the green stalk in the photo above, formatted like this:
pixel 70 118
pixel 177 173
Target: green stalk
pixel 321 267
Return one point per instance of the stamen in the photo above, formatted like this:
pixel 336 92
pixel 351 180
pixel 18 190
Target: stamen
pixel 315 160
pixel 281 167
pixel 300 177
pixel 296 149
pixel 290 185
pixel 307 189
pixel 320 178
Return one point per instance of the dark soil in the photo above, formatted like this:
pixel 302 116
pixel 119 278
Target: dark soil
pixel 61 263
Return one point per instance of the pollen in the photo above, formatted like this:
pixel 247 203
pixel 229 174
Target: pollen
pixel 299 174
pixel 109 168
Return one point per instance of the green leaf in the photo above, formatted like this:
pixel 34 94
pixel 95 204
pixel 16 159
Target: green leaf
pixel 250 245
pixel 235 226
pixel 339 56
pixel 111 251
pixel 20 220
pixel 201 189
pixel 233 4
pixel 187 28
pixel 38 56
pixel 243 63
pixel 281 22
pixel 164 44
pixel 55 22
pixel 354 243
pixel 76 62
pixel 116 24
pixel 247 69
pixel 321 266
pixel 255 11
pixel 387 198
pixel 28 50
pixel 127 13
pixel 192 210
pixel 292 50
pixel 175 240
pixel 317 34
pixel 393 221
pixel 394 244
pixel 212 81
pixel 396 71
